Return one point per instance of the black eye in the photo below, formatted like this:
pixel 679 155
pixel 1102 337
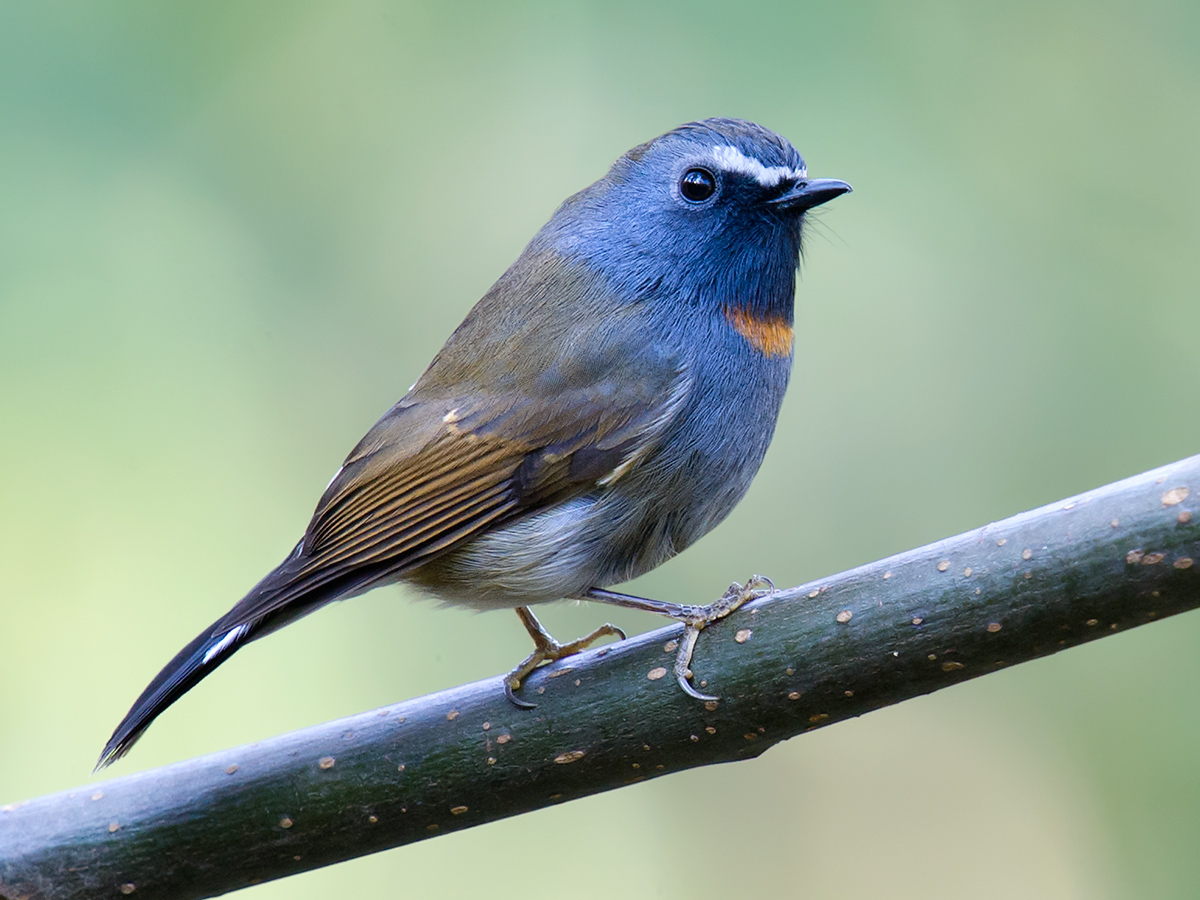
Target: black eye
pixel 697 185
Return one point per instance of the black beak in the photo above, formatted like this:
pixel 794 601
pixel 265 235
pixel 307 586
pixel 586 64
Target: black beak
pixel 804 195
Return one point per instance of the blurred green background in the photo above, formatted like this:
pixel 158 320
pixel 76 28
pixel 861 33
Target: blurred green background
pixel 231 235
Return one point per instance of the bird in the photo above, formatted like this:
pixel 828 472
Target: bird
pixel 604 405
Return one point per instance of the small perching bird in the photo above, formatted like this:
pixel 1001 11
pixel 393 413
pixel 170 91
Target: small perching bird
pixel 605 404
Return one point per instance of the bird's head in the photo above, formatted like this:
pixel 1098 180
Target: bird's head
pixel 711 211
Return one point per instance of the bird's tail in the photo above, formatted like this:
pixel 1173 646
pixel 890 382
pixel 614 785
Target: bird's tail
pixel 210 648
pixel 286 594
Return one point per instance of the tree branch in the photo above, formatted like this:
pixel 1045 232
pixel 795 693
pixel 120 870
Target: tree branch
pixel 807 657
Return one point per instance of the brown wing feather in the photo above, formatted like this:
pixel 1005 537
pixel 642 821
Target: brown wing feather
pixel 426 483
pixel 411 485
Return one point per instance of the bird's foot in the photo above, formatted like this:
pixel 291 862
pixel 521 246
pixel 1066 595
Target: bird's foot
pixel 547 649
pixel 694 618
pixel 697 618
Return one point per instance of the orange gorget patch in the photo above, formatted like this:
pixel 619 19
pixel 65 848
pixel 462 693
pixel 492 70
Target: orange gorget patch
pixel 770 336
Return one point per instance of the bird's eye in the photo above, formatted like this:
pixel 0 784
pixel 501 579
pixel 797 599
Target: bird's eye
pixel 697 185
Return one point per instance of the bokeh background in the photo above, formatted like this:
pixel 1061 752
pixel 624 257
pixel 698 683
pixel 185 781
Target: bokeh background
pixel 231 235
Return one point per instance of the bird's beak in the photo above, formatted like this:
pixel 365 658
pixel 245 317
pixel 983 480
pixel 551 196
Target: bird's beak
pixel 807 194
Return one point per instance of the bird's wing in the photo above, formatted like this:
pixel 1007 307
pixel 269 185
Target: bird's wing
pixel 490 459
pixel 434 472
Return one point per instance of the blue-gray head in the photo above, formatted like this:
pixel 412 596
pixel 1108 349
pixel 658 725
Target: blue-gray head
pixel 710 212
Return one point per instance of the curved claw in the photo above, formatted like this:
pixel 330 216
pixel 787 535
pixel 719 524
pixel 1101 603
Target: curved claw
pixel 699 617
pixel 759 586
pixel 514 699
pixel 691 691
pixel 683 662
pixel 547 649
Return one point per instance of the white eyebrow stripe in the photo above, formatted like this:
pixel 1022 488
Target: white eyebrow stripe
pixel 731 159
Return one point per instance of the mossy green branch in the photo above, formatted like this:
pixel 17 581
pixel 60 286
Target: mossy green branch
pixel 807 657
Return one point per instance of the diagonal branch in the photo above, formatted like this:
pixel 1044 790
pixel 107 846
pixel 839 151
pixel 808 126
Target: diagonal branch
pixel 1012 591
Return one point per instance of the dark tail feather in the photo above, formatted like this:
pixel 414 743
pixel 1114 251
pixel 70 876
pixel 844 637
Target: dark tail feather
pixel 211 648
pixel 283 596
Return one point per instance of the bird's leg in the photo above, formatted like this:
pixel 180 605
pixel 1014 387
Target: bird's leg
pixel 547 649
pixel 694 618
